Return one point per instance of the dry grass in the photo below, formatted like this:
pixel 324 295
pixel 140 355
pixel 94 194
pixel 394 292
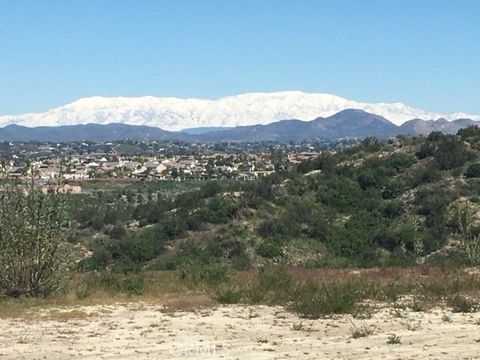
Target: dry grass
pixel 412 286
pixel 161 288
pixel 378 275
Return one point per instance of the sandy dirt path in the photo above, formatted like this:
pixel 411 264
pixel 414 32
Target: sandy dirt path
pixel 139 331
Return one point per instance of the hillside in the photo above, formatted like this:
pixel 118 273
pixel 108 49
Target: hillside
pixel 344 124
pixel 89 132
pixel 378 203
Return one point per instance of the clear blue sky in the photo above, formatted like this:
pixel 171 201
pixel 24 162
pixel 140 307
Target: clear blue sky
pixel 424 53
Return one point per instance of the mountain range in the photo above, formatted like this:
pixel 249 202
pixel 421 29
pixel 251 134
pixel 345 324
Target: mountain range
pixel 349 123
pixel 174 114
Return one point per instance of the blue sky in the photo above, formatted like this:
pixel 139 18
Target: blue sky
pixel 420 52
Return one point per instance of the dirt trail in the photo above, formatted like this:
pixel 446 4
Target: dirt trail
pixel 139 331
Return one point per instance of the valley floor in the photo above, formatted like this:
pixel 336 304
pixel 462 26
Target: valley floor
pixel 142 331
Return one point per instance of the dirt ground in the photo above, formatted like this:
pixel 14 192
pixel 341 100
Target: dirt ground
pixel 141 331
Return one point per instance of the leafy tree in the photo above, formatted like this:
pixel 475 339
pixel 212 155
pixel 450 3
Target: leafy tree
pixel 34 253
pixel 451 153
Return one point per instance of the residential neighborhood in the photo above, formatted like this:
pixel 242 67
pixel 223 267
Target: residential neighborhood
pixel 77 162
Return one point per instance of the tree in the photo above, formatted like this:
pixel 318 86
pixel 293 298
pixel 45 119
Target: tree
pixel 34 252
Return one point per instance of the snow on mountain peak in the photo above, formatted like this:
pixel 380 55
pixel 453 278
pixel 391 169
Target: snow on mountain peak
pixel 170 113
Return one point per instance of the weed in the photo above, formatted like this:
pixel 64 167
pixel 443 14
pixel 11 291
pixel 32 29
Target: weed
pixel 413 326
pixel 255 294
pixel 230 295
pixel 397 313
pixel 313 301
pixel 361 331
pixel 363 311
pixel 298 326
pixel 83 291
pixel 393 339
pixel 446 318
pixel 273 285
pixel 418 305
pixel 276 279
pixel 463 304
pixel 133 285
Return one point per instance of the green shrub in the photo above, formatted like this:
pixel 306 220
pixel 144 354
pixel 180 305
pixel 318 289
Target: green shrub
pixel 255 294
pixel 393 209
pixel 401 160
pixel 273 284
pixel 35 255
pixel 218 210
pixel 270 249
pixel 83 291
pixel 229 295
pixel 101 257
pixel 166 262
pixel 393 188
pixel 341 193
pixel 275 278
pixel 195 273
pixel 241 262
pixel 356 238
pixel 131 284
pixel 314 301
pixel 423 173
pixel 270 228
pixel 140 247
pixel 125 265
pixel 452 153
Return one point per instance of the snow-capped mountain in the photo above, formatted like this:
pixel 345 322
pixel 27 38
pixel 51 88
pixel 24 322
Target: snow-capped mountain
pixel 248 109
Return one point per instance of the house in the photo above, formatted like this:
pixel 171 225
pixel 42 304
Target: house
pixel 140 172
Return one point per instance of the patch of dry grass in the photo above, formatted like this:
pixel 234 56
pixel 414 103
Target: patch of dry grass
pixel 161 288
pixel 434 286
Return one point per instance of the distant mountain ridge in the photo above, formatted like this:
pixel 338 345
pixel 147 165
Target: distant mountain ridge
pixel 88 132
pixel 350 123
pixel 174 114
pixel 425 127
pixel 344 124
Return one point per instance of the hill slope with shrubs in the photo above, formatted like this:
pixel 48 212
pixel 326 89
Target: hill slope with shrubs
pixel 400 202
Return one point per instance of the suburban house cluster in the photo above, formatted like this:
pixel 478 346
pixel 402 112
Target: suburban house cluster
pixel 98 166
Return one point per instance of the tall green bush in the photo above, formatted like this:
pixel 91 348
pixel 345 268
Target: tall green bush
pixel 34 253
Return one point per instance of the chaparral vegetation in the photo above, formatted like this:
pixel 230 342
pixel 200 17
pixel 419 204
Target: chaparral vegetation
pixel 402 213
